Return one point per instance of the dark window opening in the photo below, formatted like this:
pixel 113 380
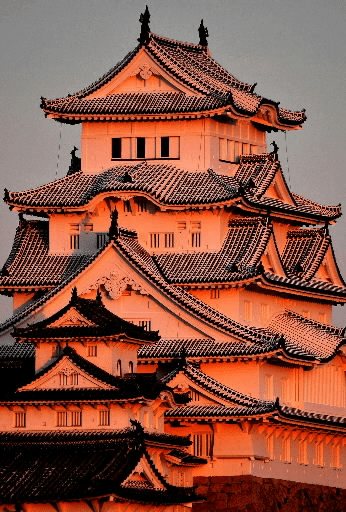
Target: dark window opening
pixel 164 147
pixel 140 147
pixel 116 148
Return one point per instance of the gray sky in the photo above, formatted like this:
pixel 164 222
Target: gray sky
pixel 294 49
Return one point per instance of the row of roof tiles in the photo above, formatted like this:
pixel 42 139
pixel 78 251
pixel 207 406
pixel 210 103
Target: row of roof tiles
pixel 171 186
pixel 193 67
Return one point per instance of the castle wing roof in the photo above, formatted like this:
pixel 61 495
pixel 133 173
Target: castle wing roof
pixel 167 185
pixel 33 468
pixel 31 266
pixel 237 260
pixel 93 321
pixel 305 338
pixel 214 387
pixel 210 87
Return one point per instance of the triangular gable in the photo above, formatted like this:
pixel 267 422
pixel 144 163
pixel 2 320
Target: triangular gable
pixel 65 374
pixel 144 477
pixel 278 189
pixel 271 260
pixel 185 315
pixel 142 73
pixel 328 269
pixel 72 318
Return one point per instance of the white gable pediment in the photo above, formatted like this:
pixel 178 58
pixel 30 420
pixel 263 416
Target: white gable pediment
pixel 65 375
pixel 142 74
pixel 72 318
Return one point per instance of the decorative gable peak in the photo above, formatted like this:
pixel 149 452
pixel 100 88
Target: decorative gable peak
pixel 72 318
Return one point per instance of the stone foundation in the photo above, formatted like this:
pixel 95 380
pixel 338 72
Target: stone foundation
pixel 252 494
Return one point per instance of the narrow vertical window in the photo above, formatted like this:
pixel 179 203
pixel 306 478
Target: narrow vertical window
pixel 127 207
pixel 119 371
pixel 196 239
pixel 146 324
pixel 154 240
pixel 116 148
pixel 76 418
pixel 215 293
pixel 164 147
pixel 61 419
pixel 202 445
pixel 20 419
pixel 140 147
pixel 142 205
pixel 130 367
pixel 101 240
pixel 74 241
pixel 92 350
pixel 169 240
pixel 104 418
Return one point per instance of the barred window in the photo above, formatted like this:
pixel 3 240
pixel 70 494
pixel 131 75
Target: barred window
pixel 146 324
pixel 102 239
pixel 215 293
pixel 74 242
pixel 142 205
pixel 202 445
pixel 76 418
pixel 127 207
pixel 169 240
pixel 61 419
pixel 92 350
pixel 104 418
pixel 154 240
pixel 20 419
pixel 196 239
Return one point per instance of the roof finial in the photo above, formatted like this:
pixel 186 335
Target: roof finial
pixel 145 29
pixel 203 34
pixel 113 232
pixel 98 296
pixel 6 195
pixel 75 164
pixel 275 150
pixel 74 294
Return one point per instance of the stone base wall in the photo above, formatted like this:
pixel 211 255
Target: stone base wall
pixel 253 494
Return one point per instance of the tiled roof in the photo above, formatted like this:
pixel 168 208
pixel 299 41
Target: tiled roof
pixel 33 468
pixel 144 262
pixel 220 411
pixel 316 286
pixel 30 265
pixel 238 259
pixel 101 323
pixel 214 387
pixel 304 252
pixel 305 338
pixel 201 348
pixel 256 172
pixel 211 87
pixel 17 351
pixel 171 186
pixel 298 415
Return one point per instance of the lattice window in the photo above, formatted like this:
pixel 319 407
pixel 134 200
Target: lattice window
pixel 61 419
pixel 127 207
pixel 319 454
pixel 92 350
pixel 142 205
pixel 196 239
pixel 101 240
pixel 20 419
pixel 194 395
pixel 104 418
pixel 154 240
pixel 202 445
pixel 169 240
pixel 146 324
pixel 76 418
pixel 74 242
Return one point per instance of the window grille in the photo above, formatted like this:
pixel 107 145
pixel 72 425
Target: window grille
pixel 74 242
pixel 169 240
pixel 102 239
pixel 127 207
pixel 61 418
pixel 154 240
pixel 76 418
pixel 196 239
pixel 20 419
pixel 215 293
pixel 142 205
pixel 146 324
pixel 104 418
pixel 202 445
pixel 92 350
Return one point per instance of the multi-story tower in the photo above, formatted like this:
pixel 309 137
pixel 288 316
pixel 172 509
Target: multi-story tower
pixel 177 219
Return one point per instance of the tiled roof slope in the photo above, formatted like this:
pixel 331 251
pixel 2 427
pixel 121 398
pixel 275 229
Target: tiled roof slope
pixel 238 259
pixel 101 323
pixel 219 411
pixel 254 175
pixel 305 338
pixel 30 265
pixel 214 387
pixel 193 67
pixel 133 251
pixel 304 252
pixel 315 286
pixel 171 186
pixel 17 351
pixel 33 469
pixel 168 349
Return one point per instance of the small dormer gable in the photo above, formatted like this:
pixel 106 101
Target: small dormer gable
pixel 66 374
